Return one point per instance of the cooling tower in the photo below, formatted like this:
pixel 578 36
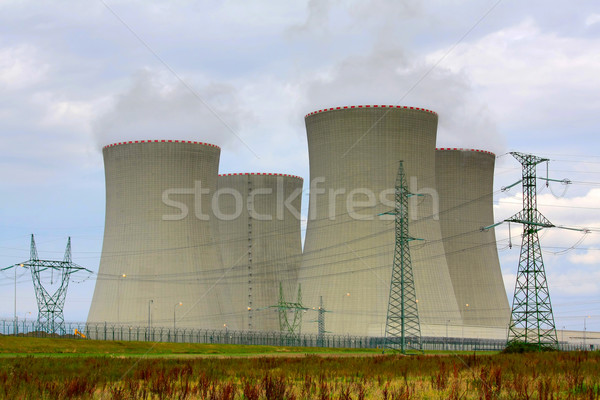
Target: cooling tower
pixel 348 251
pixel 159 245
pixel 465 180
pixel 259 224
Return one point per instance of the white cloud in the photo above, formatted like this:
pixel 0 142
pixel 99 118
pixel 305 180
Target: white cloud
pixel 589 258
pixel 561 211
pixel 593 19
pixel 75 115
pixel 571 258
pixel 509 281
pixel 533 76
pixel 21 67
pixel 575 283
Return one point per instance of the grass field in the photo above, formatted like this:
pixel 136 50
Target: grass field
pixel 79 369
pixel 41 347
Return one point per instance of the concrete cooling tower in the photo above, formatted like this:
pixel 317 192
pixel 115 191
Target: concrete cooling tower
pixel 259 224
pixel 348 251
pixel 159 245
pixel 465 180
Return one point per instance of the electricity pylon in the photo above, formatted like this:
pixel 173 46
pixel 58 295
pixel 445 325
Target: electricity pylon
pixel 532 320
pixel 402 327
pixel 50 306
pixel 290 326
pixel 320 322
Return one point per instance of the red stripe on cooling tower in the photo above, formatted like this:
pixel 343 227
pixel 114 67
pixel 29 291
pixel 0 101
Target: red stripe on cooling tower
pixel 262 174
pixel 369 106
pixel 160 141
pixel 461 149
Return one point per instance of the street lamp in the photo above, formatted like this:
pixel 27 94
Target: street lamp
pixel 24 320
pixel 174 311
pixel 20 265
pixel 149 315
pixel 119 299
pixel 447 322
pixel 25 316
pixel 463 326
pixel 584 330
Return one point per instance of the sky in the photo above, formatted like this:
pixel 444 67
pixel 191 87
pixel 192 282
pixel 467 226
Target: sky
pixel 502 75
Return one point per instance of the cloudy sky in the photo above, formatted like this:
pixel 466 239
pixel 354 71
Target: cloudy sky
pixel 503 76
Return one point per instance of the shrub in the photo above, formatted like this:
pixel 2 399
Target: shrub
pixel 522 347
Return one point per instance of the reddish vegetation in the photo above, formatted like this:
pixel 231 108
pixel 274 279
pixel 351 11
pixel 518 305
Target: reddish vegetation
pixel 550 375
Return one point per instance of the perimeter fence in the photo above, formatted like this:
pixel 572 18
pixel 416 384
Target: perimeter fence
pixel 107 331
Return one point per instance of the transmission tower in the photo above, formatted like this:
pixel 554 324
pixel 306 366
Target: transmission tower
pixel 50 306
pixel 290 326
pixel 402 328
pixel 532 320
pixel 320 322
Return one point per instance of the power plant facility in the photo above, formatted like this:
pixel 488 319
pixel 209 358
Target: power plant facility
pixel 260 243
pixel 348 251
pixel 465 186
pixel 160 238
pixel 187 248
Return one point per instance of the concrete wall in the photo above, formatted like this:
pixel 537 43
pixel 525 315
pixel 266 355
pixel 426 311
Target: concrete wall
pixel 260 244
pixel 166 257
pixel 465 184
pixel 347 258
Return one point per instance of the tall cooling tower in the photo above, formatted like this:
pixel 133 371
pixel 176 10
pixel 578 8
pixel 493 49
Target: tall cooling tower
pixel 465 181
pixel 348 251
pixel 159 245
pixel 259 224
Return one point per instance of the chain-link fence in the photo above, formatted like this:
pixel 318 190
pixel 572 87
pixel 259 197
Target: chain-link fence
pixel 106 331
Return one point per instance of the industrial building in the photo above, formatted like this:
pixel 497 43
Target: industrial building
pixel 259 237
pixel 185 246
pixel 465 185
pixel 348 250
pixel 160 259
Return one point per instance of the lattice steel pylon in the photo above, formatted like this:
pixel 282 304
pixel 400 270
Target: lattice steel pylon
pixel 50 306
pixel 287 325
pixel 402 328
pixel 532 320
pixel 320 322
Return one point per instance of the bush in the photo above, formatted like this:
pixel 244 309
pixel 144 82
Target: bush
pixel 522 347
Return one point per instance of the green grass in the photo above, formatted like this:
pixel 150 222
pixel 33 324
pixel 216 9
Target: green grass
pixel 35 368
pixel 25 346
pixel 542 376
